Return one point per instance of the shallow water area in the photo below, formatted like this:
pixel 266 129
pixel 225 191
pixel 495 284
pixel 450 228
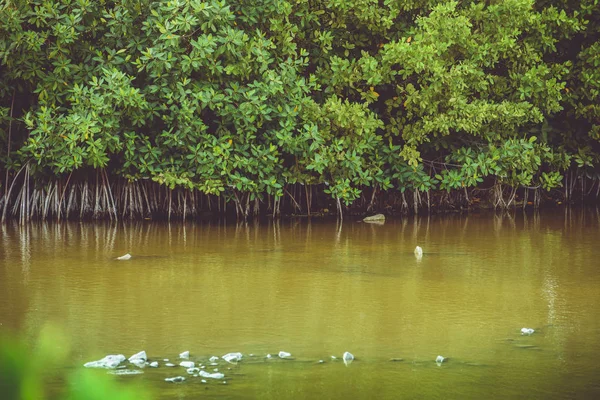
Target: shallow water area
pixel 318 289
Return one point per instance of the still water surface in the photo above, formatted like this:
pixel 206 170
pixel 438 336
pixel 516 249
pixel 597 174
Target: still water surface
pixel 319 289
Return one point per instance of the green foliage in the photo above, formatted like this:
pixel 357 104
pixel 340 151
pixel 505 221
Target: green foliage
pixel 248 97
pixel 25 373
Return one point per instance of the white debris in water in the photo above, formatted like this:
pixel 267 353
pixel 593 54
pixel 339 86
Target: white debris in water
pixel 348 358
pixel 216 375
pixel 440 359
pixel 175 379
pixel 124 257
pixel 169 365
pixel 527 331
pixel 321 361
pixel 154 364
pixel 213 359
pixel 268 356
pixel 187 364
pixel 185 355
pixel 203 380
pixel 333 357
pixel 418 253
pixel 109 362
pixel 232 358
pixel 284 354
pixel 192 371
pixel 166 360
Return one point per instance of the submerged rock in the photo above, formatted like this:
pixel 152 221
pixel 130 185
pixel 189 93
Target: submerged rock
pixel 284 354
pixel 187 364
pixel 175 379
pixel 109 362
pixel 139 363
pixel 348 358
pixel 232 358
pixel 126 372
pixel 374 218
pixel 216 375
pixel 124 257
pixel 527 331
pixel 192 371
pixel 185 355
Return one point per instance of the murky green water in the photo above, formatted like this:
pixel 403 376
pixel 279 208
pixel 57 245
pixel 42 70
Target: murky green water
pixel 317 290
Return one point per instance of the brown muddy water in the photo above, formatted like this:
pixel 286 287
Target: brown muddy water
pixel 319 289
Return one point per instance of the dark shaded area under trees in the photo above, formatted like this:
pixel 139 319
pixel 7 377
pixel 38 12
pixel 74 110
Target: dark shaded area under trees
pixel 118 109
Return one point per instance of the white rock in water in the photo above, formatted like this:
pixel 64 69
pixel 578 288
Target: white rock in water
pixel 348 358
pixel 216 375
pixel 418 252
pixel 268 356
pixel 213 359
pixel 138 356
pixel 185 355
pixel 440 359
pixel 109 362
pixel 175 379
pixel 527 331
pixel 125 257
pixel 154 364
pixel 203 380
pixel 284 354
pixel 232 358
pixel 169 365
pixel 187 364
pixel 192 371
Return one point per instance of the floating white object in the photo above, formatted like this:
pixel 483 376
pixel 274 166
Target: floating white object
pixel 192 371
pixel 527 331
pixel 185 355
pixel 109 362
pixel 348 358
pixel 284 354
pixel 440 359
pixel 213 359
pixel 154 364
pixel 268 356
pixel 175 379
pixel 169 365
pixel 203 381
pixel 187 364
pixel 418 252
pixel 125 257
pixel 232 358
pixel 216 375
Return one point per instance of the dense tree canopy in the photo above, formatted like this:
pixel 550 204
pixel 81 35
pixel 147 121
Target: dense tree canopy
pixel 251 101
